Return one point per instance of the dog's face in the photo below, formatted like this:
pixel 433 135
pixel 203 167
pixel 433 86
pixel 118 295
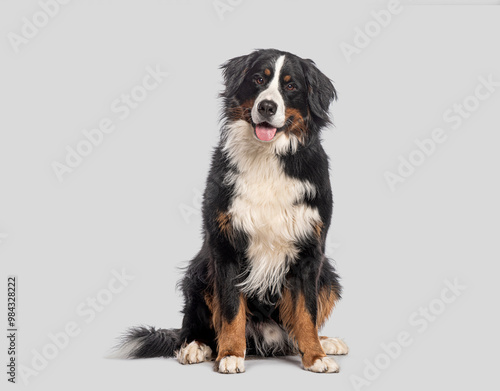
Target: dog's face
pixel 278 94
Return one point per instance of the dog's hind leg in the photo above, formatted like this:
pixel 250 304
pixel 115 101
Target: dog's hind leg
pixel 328 295
pixel 194 353
pixel 197 332
pixel 333 346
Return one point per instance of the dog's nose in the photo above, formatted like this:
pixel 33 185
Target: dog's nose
pixel 267 108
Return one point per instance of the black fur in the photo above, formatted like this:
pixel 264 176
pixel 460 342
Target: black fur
pixel 153 342
pixel 220 264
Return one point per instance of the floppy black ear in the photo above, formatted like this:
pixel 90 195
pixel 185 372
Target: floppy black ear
pixel 321 92
pixel 234 72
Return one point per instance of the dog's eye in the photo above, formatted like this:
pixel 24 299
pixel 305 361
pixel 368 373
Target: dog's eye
pixel 259 80
pixel 291 87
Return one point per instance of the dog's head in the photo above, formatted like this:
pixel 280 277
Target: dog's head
pixel 278 94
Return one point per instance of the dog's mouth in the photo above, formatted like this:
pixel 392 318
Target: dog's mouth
pixel 265 131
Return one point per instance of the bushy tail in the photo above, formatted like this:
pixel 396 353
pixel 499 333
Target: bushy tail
pixel 147 342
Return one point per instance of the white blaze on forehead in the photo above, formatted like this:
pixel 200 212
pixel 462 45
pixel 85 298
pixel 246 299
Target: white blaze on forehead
pixel 272 93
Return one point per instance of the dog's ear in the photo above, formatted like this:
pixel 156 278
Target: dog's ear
pixel 234 72
pixel 320 92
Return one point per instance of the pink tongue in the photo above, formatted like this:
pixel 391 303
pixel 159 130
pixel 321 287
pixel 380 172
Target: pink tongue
pixel 265 133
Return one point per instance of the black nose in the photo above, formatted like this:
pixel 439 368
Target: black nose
pixel 267 108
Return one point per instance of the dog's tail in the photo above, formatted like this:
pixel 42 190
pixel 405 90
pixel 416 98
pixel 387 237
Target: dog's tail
pixel 148 342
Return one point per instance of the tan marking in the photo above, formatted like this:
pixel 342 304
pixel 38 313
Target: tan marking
pixel 298 322
pixel 299 126
pixel 326 301
pixel 224 222
pixel 290 111
pixel 267 72
pixel 318 228
pixel 287 78
pixel 243 111
pixel 209 300
pixel 286 309
pixel 231 339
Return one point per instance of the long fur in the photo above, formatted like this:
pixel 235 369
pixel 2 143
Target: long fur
pixel 148 342
pixel 266 212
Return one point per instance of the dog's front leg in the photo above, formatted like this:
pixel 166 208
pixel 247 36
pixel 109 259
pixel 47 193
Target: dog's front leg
pixel 231 341
pixel 300 323
pixel 299 313
pixel 228 311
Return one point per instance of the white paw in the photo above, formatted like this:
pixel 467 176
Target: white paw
pixel 232 364
pixel 334 346
pixel 194 353
pixel 324 365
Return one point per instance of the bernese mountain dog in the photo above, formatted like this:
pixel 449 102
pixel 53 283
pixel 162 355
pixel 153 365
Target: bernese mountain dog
pixel 261 283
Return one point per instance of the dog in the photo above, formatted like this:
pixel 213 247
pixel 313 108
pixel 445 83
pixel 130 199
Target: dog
pixel 261 283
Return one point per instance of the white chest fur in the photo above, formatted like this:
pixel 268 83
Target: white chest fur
pixel 265 207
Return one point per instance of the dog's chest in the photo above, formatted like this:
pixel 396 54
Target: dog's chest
pixel 270 210
pixel 268 207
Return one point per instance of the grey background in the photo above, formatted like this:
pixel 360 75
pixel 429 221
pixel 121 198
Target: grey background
pixel 122 207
